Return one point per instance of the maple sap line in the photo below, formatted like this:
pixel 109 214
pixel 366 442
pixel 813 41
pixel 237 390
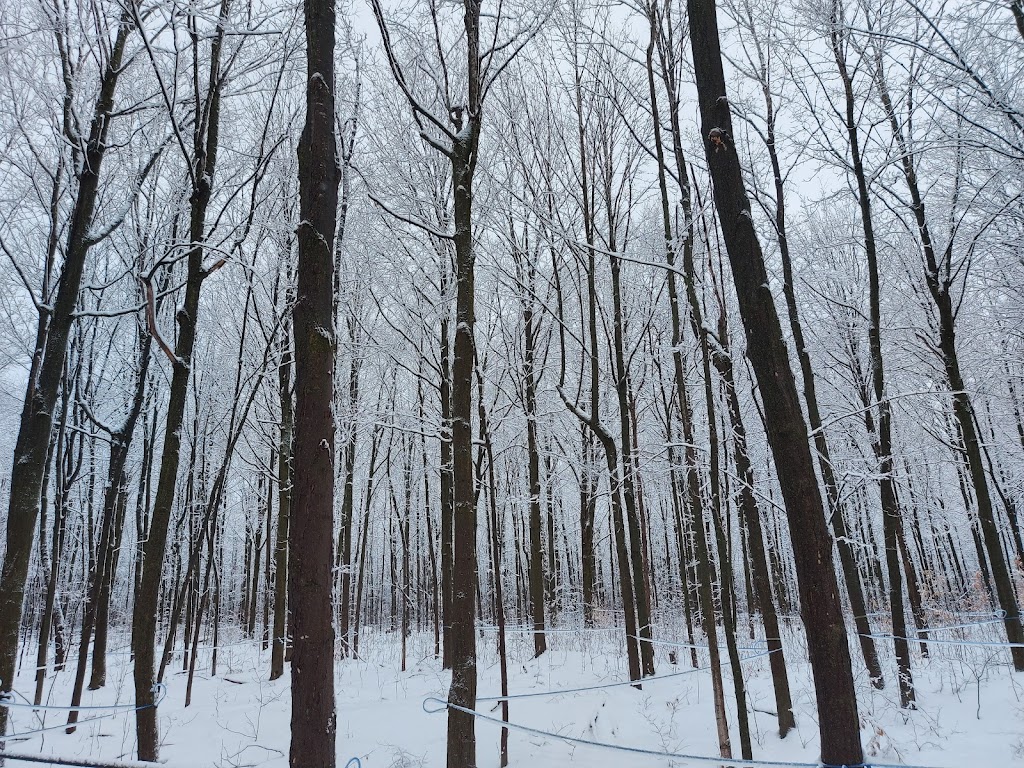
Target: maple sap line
pixel 433 705
pixel 619 684
pixel 7 700
pixel 81 762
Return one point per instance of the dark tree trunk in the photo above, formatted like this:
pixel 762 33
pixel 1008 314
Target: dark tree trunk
pixel 588 511
pixel 447 508
pixel 96 611
pixel 710 516
pixel 364 537
pixel 50 559
pixel 787 432
pixel 533 466
pixel 495 546
pixel 310 580
pixel 252 607
pixel 551 581
pixel 435 596
pixel 463 155
pixel 279 641
pixel 751 516
pixel 636 559
pixel 117 488
pixel 344 553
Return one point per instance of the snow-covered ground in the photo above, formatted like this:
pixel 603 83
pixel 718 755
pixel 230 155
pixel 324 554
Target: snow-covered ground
pixel 970 715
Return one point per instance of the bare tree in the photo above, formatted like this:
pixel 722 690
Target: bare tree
pixel 456 135
pixel 787 432
pixel 311 533
pixel 56 316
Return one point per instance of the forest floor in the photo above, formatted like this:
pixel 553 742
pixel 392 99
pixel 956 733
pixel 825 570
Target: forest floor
pixel 970 707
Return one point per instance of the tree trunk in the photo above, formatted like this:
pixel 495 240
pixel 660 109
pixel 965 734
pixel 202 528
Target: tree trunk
pixel 836 508
pixel 787 432
pixel 495 546
pixel 533 466
pixel 344 553
pixel 284 496
pixel 751 516
pixel 144 617
pixel 310 581
pixel 447 508
pixel 635 560
pixel 463 155
pixel 588 511
pixel 50 559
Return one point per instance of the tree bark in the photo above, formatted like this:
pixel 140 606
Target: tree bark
pixel 533 467
pixel 310 580
pixel 787 432
pixel 463 156
pixel 279 640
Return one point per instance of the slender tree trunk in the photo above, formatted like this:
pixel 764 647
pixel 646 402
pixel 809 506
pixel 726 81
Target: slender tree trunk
pixel 551 581
pixel 636 558
pixel 682 548
pixel 210 533
pixel 365 535
pixel 882 441
pixel 533 466
pixel 710 516
pixel 751 516
pixel 50 559
pixel 588 512
pixel 254 581
pixel 98 675
pixel 446 481
pixel 344 553
pixel 144 618
pixel 96 613
pixel 280 640
pixel 495 546
pixel 404 521
pixel 101 573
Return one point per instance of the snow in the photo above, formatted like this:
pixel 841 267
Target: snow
pixel 970 708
